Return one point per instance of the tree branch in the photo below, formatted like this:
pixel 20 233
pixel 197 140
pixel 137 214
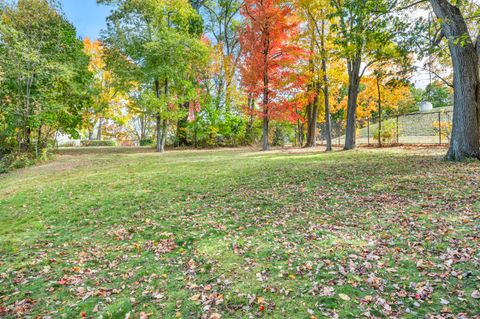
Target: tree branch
pixel 438 76
pixel 412 5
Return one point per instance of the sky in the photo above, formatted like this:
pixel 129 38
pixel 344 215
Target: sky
pixel 86 16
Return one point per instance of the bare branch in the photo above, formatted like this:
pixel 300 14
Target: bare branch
pixel 438 76
pixel 412 5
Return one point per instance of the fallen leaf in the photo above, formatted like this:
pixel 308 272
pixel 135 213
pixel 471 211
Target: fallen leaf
pixel 344 297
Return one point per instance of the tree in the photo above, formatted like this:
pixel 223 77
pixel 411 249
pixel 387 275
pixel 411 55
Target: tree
pixel 222 24
pixel 46 76
pixel 161 39
pixel 465 54
pixel 318 32
pixel 439 94
pixel 110 98
pixel 270 58
pixel 364 27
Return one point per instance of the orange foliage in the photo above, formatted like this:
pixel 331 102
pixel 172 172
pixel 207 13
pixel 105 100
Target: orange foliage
pixel 271 58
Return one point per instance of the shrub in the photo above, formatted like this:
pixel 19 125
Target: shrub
pixel 15 161
pixel 389 132
pixel 146 142
pixel 445 128
pixel 95 143
pixel 281 133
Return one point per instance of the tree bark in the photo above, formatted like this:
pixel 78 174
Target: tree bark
pixel 164 136
pixel 379 101
pixel 159 133
pixel 158 121
pixel 312 109
pixel 326 91
pixel 142 127
pixel 265 145
pixel 353 87
pixel 308 113
pixel 312 128
pixel 249 129
pixel 465 141
pixel 100 128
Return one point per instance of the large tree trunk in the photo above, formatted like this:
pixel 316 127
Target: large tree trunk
pixel 465 141
pixel 159 134
pixel 326 92
pixel 265 145
pixel 353 87
pixel 312 118
pixel 312 109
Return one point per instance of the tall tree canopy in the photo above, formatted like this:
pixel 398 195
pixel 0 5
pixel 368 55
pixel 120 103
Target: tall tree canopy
pixel 364 28
pixel 270 59
pixel 161 41
pixel 46 79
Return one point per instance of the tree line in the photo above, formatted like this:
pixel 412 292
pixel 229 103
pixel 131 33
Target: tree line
pixel 231 72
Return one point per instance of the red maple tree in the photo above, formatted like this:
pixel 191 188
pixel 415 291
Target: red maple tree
pixel 271 59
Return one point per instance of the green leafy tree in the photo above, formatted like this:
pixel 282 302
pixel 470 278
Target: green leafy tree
pixel 364 28
pixel 439 94
pixel 46 75
pixel 160 39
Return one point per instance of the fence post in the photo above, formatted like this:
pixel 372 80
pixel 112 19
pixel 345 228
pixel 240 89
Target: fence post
pixel 440 127
pixel 368 131
pixel 398 133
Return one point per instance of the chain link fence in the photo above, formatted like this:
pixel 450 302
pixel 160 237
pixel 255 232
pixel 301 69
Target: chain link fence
pixel 426 128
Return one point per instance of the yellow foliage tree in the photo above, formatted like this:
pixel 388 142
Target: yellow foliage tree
pixel 110 102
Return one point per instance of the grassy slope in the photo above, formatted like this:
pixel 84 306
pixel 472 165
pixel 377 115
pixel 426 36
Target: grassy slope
pixel 278 235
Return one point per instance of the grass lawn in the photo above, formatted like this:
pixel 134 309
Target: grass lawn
pixel 390 233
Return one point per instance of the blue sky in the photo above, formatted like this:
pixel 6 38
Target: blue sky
pixel 86 15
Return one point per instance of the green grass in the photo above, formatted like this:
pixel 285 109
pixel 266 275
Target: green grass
pixel 392 233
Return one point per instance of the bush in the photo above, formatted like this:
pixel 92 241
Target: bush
pixel 281 133
pixel 146 142
pixel 389 132
pixel 95 143
pixel 445 128
pixel 15 161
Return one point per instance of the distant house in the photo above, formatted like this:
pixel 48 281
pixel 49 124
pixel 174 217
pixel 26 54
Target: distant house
pixel 426 107
pixel 64 140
